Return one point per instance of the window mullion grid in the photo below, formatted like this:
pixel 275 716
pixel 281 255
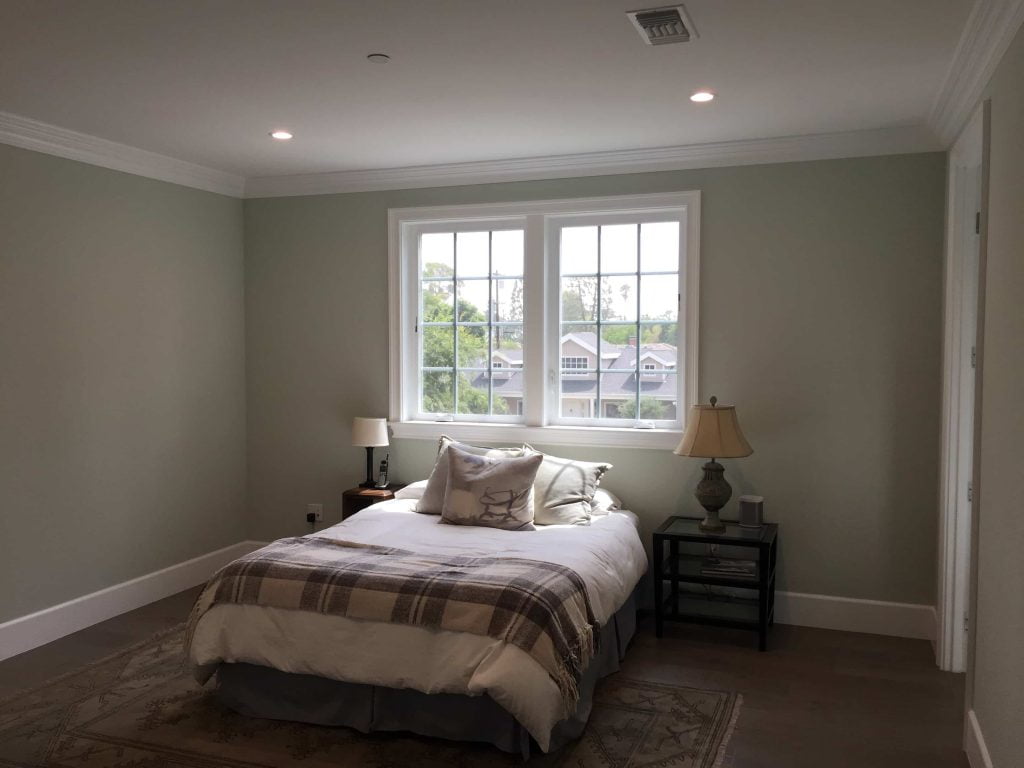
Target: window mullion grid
pixel 492 300
pixel 597 318
pixel 637 350
pixel 455 324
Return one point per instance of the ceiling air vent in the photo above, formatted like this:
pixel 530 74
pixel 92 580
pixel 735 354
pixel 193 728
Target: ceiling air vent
pixel 661 26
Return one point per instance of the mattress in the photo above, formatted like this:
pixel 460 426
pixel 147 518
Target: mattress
pixel 607 554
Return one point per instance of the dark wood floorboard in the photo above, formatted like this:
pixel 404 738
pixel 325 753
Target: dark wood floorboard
pixel 817 698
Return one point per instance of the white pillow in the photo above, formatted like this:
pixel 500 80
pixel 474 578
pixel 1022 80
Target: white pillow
pixel 564 490
pixel 604 502
pixel 412 490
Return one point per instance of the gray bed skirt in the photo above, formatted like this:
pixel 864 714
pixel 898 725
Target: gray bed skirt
pixel 264 692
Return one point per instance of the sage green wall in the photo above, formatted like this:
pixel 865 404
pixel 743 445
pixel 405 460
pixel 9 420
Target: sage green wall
pixel 820 318
pixel 999 627
pixel 122 392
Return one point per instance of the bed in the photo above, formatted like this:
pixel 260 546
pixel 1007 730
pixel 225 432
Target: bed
pixel 379 676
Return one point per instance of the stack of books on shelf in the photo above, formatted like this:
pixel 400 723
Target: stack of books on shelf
pixel 729 568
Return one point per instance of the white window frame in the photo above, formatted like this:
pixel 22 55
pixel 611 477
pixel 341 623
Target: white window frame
pixel 541 350
pixel 555 223
pixel 412 262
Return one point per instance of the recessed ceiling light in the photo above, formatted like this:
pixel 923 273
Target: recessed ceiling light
pixel 280 135
pixel 702 96
pixel 378 58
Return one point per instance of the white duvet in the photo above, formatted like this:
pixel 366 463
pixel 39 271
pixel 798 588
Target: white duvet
pixel 607 554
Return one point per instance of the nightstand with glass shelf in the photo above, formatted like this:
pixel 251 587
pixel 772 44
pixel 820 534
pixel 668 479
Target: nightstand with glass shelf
pixel 723 578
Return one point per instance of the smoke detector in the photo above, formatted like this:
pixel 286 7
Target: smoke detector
pixel 662 26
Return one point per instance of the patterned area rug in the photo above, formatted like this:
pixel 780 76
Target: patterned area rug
pixel 140 708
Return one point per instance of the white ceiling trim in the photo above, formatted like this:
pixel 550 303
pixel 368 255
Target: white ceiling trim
pixel 989 31
pixel 885 141
pixel 31 134
pixel 42 137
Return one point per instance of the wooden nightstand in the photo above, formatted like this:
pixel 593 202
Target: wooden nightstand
pixel 355 499
pixel 704 559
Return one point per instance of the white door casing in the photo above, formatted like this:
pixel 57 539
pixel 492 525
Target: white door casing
pixel 960 329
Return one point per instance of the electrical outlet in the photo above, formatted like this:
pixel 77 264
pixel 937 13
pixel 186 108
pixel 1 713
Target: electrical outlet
pixel 316 510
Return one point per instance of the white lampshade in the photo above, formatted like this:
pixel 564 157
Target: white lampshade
pixel 713 432
pixel 369 433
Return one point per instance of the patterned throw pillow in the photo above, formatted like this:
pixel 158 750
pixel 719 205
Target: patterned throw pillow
pixel 432 500
pixel 564 491
pixel 490 491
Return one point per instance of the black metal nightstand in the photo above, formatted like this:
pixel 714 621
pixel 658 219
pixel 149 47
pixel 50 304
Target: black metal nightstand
pixel 716 560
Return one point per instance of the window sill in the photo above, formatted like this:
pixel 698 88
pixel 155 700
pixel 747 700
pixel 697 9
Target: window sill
pixel 611 437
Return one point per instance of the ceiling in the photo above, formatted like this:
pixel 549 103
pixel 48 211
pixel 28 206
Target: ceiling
pixel 206 80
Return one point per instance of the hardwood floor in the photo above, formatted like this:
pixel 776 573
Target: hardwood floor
pixel 817 698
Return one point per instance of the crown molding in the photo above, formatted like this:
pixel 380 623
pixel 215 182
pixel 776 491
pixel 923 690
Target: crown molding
pixel 885 141
pixel 990 28
pixel 41 137
pixel 31 134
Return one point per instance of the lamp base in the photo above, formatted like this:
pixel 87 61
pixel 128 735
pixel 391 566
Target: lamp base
pixel 711 523
pixel 368 482
pixel 713 492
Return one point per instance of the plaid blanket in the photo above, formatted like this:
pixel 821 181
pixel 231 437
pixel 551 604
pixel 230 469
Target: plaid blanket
pixel 540 607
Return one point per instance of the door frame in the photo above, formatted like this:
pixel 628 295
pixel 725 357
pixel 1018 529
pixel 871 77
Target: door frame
pixel 960 390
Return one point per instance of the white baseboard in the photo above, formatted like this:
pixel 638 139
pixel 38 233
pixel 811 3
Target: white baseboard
pixel 849 614
pixel 27 632
pixel 974 746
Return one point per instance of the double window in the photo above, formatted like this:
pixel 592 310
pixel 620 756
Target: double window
pixel 586 309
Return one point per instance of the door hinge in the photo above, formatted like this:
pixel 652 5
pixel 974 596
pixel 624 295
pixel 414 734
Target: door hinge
pixel 970 491
pixel 967 622
pixel 977 223
pixel 974 357
pixel 416 326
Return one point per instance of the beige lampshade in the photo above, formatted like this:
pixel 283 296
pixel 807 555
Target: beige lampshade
pixel 713 432
pixel 369 433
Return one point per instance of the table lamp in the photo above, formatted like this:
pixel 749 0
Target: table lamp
pixel 369 434
pixel 712 432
